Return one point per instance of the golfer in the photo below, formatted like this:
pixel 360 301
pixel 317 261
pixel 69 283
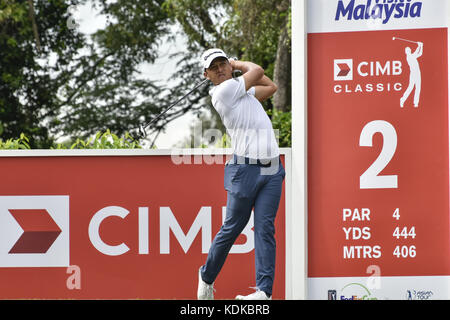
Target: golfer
pixel 415 76
pixel 253 176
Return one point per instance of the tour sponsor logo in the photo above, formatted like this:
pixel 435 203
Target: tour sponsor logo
pixel 352 291
pixel 372 76
pixel 343 69
pixel 34 231
pixel 362 71
pixel 378 10
pixel 332 295
pixel 412 294
pixel 169 228
pixel 39 230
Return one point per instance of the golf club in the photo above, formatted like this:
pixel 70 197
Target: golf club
pixel 401 39
pixel 142 133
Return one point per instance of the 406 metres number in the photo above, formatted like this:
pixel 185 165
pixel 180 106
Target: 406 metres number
pixel 405 251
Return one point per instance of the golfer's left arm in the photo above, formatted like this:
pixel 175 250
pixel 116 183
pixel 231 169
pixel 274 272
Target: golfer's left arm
pixel 419 50
pixel 264 89
pixel 254 77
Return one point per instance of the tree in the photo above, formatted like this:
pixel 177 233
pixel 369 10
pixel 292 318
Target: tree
pixel 28 83
pixel 248 29
pixel 282 73
pixel 108 94
pixel 92 85
pixel 56 82
pixel 251 30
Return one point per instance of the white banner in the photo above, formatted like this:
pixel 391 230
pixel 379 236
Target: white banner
pixel 367 15
pixel 379 288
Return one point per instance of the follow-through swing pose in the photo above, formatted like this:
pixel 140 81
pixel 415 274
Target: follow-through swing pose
pixel 254 175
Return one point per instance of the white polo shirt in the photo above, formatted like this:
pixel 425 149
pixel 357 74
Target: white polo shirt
pixel 247 123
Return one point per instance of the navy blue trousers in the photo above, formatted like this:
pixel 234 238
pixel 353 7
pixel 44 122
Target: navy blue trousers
pixel 249 186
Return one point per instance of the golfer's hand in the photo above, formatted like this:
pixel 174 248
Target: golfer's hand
pixel 233 63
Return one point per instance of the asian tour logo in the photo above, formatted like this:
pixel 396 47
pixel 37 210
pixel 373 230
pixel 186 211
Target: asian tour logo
pixel 379 10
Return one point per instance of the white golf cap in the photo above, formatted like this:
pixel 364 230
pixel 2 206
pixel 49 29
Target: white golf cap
pixel 211 54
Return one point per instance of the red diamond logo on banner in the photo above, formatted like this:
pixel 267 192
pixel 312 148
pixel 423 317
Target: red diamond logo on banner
pixel 344 69
pixel 39 230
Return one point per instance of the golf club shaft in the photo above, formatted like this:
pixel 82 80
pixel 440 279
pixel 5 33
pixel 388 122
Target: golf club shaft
pixel 405 40
pixel 174 104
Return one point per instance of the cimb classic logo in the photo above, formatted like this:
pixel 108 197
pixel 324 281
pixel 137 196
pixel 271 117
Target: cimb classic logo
pixel 34 231
pixel 343 69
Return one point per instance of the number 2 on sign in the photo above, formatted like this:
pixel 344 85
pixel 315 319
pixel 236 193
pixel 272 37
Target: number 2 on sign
pixel 371 179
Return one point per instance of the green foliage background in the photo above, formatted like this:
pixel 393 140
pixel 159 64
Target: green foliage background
pixel 56 82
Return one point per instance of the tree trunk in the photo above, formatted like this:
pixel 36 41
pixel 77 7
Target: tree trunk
pixel 282 68
pixel 282 73
pixel 33 22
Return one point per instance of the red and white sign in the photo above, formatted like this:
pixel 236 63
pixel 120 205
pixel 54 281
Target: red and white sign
pixel 378 150
pixel 133 226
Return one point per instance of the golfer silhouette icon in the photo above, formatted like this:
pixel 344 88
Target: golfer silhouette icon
pixel 415 76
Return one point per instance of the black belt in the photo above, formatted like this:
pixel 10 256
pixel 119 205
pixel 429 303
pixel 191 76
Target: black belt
pixel 260 162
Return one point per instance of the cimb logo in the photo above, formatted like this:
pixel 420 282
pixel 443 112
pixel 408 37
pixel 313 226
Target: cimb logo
pixel 34 231
pixel 370 76
pixel 343 69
